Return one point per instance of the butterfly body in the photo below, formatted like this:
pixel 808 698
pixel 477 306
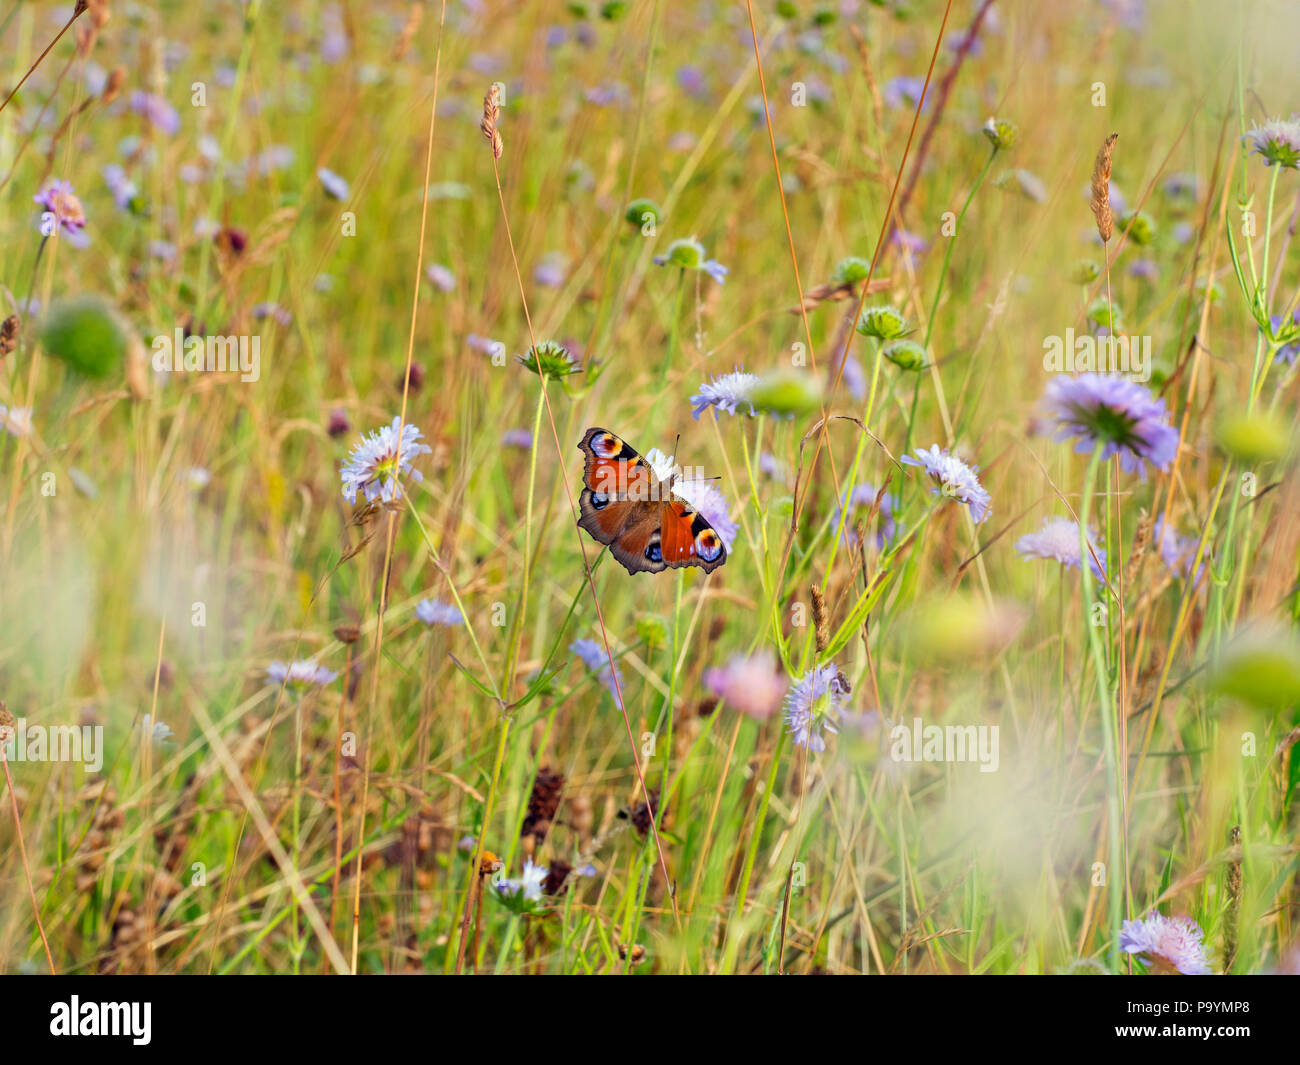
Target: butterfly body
pixel 627 506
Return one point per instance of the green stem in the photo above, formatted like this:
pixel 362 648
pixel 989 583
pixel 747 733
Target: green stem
pixel 1108 727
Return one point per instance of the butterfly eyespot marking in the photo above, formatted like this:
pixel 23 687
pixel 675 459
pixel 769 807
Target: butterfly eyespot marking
pixel 708 546
pixel 607 445
pixel 653 553
pixel 599 500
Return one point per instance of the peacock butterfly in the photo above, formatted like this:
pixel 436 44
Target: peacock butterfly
pixel 627 506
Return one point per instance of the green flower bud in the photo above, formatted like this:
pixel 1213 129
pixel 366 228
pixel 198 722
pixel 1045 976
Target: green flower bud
pixel 883 323
pixel 1085 272
pixel 1261 668
pixel 1141 227
pixel 786 393
pixel 1001 133
pixel 905 354
pixel 556 362
pixel 87 334
pixel 1101 312
pixel 652 629
pixel 1253 439
pixel 639 212
pixel 851 270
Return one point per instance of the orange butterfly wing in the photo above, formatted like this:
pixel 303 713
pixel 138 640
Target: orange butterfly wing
pixel 625 506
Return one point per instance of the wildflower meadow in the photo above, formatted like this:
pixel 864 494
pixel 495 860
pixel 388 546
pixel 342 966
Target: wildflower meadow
pixel 799 487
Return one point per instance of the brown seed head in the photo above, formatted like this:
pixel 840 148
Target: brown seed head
pixel 1101 189
pixel 491 112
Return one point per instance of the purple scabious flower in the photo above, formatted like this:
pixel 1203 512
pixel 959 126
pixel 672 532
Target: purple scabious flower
pixel 156 111
pixel 485 345
pixel 1119 416
pixel 298 674
pixel 771 466
pixel 436 612
pixel 440 277
pixel 1287 352
pixel 726 392
pixel 1176 551
pixel 16 421
pixel 271 309
pixel 121 186
pixel 855 379
pixel 592 655
pixel 528 886
pixel 1145 269
pixel 61 209
pixel 691 81
pixel 689 254
pixel 906 89
pixel 332 183
pixel 1277 141
pixel 954 478
pixel 1168 944
pixel 750 684
pixel 372 468
pixel 911 243
pixel 863 497
pixel 810 704
pixel 551 271
pixel 1058 539
pixel 520 438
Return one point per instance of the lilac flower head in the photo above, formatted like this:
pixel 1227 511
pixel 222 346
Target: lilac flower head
pixel 122 187
pixel 1277 141
pixel 16 421
pixel 690 255
pixel 1119 416
pixel 436 612
pixel 1169 944
pixel 299 674
pixel 726 393
pixel 751 685
pixel 811 703
pixel 905 89
pixel 1177 552
pixel 592 655
pixel 551 271
pixel 373 469
pixel 955 479
pixel 1287 352
pixel 1058 539
pixel 59 201
pixel 529 885
pixel 334 185
pixel 440 277
pixel 271 309
pixel 864 497
pixel 156 111
pixel 157 731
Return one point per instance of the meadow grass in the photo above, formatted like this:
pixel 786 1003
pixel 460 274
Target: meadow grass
pixel 669 192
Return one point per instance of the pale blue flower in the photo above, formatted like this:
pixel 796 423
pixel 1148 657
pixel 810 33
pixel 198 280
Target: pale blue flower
pixel 372 469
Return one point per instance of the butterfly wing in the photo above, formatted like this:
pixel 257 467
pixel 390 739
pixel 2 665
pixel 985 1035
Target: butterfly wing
pixel 687 539
pixel 613 468
pixel 625 506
